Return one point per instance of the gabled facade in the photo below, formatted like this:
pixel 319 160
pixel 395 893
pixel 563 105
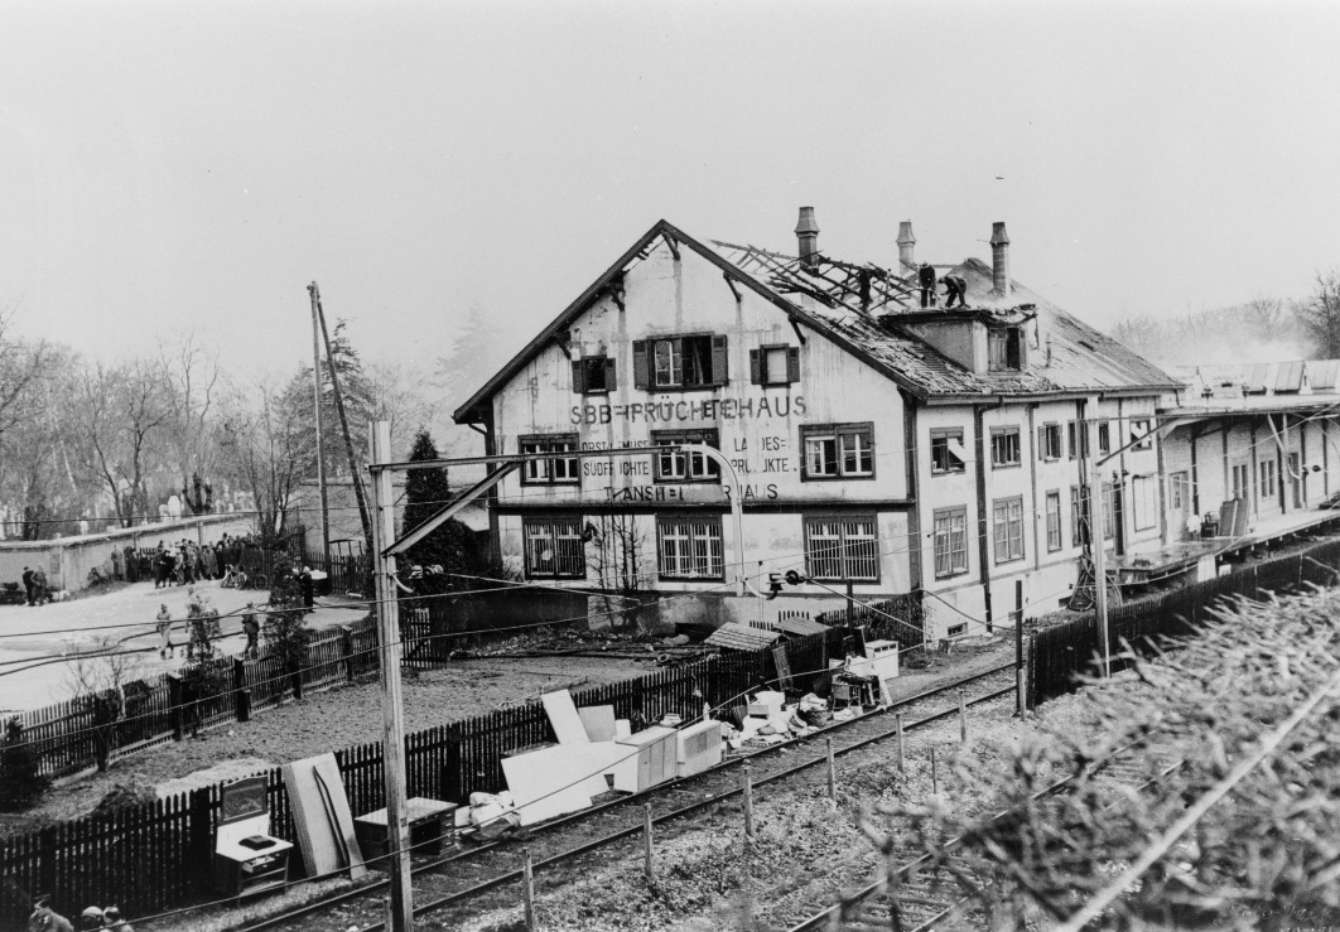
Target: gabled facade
pixel 880 449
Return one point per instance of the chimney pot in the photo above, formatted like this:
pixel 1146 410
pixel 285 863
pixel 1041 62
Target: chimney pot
pixel 1000 259
pixel 907 246
pixel 807 237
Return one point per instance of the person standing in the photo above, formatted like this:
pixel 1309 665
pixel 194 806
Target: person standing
pixel 308 588
pixel 40 587
pixel 251 627
pixel 28 584
pixel 164 626
pixel 926 277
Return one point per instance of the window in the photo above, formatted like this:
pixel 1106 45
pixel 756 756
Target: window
pixel 774 365
pixel 1104 439
pixel 1008 527
pixel 957 630
pixel 1144 502
pixel 1004 446
pixel 1140 436
pixel 685 466
pixel 1005 350
pixel 842 548
pixel 684 362
pixel 1241 480
pixel 593 375
pixel 1049 442
pixel 556 471
pixel 1268 478
pixel 554 548
pixel 838 451
pixel 951 541
pixel 690 548
pixel 1179 487
pixel 1053 521
pixel 947 452
pixel 1071 445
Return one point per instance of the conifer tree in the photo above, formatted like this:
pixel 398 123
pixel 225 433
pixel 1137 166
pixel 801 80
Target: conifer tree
pixel 451 546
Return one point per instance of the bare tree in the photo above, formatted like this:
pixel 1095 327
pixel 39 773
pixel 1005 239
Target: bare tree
pixel 97 679
pixel 1319 315
pixel 615 545
pixel 191 376
pixel 262 450
pixel 121 411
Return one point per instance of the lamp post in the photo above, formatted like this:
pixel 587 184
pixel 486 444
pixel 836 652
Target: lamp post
pixel 736 503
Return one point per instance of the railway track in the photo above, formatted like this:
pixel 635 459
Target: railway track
pixel 924 898
pixel 451 883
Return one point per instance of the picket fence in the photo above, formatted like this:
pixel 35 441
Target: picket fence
pixel 157 856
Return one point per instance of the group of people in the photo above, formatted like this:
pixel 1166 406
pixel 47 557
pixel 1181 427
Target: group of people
pixel 35 586
pixel 202 621
pixel 956 287
pixel 185 562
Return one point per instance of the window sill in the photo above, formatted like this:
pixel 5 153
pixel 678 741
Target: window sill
pixel 808 478
pixel 564 483
pixel 707 480
pixel 1006 465
pixel 664 578
pixel 846 579
pixel 953 575
pixel 948 472
pixel 1008 560
pixel 662 389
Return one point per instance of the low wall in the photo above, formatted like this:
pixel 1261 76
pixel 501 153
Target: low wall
pixel 68 560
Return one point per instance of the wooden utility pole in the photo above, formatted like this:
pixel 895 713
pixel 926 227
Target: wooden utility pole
pixel 393 710
pixel 316 410
pixel 1097 502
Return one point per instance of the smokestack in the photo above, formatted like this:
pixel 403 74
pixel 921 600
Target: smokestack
pixel 1000 259
pixel 807 238
pixel 907 248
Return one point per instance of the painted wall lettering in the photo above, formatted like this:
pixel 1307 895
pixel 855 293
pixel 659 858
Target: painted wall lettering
pixel 711 409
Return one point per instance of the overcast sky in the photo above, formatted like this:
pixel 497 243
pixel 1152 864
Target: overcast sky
pixel 168 166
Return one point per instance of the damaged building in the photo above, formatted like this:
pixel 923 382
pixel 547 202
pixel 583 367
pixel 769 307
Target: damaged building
pixel 877 447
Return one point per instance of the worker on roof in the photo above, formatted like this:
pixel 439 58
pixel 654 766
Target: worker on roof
pixel 955 287
pixel 926 277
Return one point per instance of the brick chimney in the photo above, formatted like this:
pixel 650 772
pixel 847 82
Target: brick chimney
pixel 807 238
pixel 1000 259
pixel 907 249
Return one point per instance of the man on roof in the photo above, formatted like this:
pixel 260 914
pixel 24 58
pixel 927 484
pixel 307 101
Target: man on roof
pixel 926 276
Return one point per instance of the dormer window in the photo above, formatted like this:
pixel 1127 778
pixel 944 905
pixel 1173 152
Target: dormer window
pixel 1005 350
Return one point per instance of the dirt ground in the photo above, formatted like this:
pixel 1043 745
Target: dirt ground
pixel 325 721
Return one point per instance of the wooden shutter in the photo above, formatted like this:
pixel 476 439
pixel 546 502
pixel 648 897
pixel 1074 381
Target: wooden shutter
pixel 579 376
pixel 793 364
pixel 609 374
pixel 641 365
pixel 720 376
pixel 1042 443
pixel 756 367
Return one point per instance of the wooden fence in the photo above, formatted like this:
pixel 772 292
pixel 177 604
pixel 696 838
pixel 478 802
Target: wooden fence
pixel 156 857
pixel 898 619
pixel 1061 653
pixel 64 737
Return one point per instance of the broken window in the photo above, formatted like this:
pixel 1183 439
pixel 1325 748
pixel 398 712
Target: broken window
pixel 682 362
pixel 947 451
pixel 685 465
pixel 557 470
pixel 690 548
pixel 593 375
pixel 1005 446
pixel 1104 439
pixel 554 548
pixel 774 365
pixel 838 451
pixel 1140 434
pixel 1005 350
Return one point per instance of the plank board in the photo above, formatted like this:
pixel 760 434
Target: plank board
pixel 325 826
pixel 562 712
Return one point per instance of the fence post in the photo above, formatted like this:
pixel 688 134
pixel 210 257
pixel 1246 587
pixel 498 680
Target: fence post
pixel 46 871
pixel 452 788
pixel 528 889
pixel 898 740
pixel 347 651
pixel 935 778
pixel 832 771
pixel 241 695
pixel 199 859
pixel 175 702
pixel 747 782
pixel 962 719
pixel 648 869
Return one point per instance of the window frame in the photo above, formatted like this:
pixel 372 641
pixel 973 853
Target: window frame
pixel 1179 484
pixel 712 470
pixel 646 371
pixel 837 432
pixel 1049 442
pixel 946 434
pixel 1054 539
pixel 691 522
pixel 1144 503
pixel 1018 447
pixel 1006 338
pixel 583 368
pixel 1012 522
pixel 1077 511
pixel 1104 438
pixel 549 465
pixel 758 365
pixel 552 522
pixel 1141 426
pixel 845 556
pixel 949 514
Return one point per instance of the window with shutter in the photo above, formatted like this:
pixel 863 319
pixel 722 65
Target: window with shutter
pixel 774 364
pixel 641 366
pixel 593 375
pixel 683 362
